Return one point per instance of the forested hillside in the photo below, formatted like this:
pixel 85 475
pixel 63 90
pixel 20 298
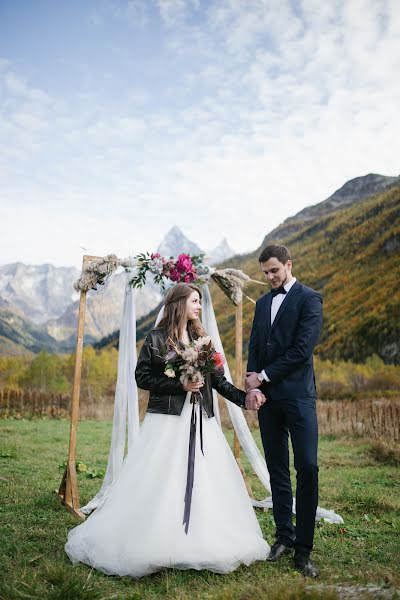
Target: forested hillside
pixel 352 257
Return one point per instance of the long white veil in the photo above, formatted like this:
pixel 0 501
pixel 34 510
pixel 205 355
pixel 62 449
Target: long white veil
pixel 126 409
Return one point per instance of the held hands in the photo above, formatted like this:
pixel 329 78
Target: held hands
pixel 252 381
pixel 255 399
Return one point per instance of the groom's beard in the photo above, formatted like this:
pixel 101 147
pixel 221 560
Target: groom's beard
pixel 288 277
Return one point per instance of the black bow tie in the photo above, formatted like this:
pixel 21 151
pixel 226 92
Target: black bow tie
pixel 279 290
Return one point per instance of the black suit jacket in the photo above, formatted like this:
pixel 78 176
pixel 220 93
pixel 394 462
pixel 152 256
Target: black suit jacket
pixel 284 350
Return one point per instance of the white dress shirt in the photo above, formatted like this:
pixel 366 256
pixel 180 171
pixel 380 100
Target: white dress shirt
pixel 279 298
pixel 275 305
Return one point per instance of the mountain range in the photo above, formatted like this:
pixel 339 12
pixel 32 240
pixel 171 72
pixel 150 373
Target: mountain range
pixel 39 307
pixel 346 246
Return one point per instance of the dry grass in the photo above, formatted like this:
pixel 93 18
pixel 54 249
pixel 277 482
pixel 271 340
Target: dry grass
pixel 385 452
pixel 375 419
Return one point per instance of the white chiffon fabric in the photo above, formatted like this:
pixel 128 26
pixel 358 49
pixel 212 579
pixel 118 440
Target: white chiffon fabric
pixel 126 398
pixel 138 529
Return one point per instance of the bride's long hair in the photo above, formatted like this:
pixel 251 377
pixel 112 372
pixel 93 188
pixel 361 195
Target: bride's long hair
pixel 174 317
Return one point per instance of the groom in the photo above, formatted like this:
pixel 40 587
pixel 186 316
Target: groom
pixel 286 326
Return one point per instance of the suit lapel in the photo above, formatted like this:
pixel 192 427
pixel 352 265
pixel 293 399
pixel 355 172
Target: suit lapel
pixel 268 313
pixel 289 300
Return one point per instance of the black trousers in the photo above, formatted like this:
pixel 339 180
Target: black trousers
pixel 277 419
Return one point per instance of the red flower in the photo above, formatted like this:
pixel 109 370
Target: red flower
pixel 184 263
pixel 174 275
pixel 218 359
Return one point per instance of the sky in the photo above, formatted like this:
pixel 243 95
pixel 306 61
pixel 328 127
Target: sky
pixel 122 118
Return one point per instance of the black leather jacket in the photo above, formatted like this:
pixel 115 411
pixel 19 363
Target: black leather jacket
pixel 167 395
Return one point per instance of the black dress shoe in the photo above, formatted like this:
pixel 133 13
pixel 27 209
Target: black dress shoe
pixel 305 566
pixel 278 550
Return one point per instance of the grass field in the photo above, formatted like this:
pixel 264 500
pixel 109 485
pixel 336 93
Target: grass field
pixel 363 553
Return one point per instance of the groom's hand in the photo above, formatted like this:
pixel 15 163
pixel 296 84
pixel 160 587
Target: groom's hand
pixel 254 400
pixel 252 381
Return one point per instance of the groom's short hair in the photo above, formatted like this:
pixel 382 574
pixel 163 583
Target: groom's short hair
pixel 275 251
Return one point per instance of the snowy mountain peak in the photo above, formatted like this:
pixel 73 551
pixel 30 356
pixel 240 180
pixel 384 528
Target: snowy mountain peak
pixel 175 242
pixel 220 253
pixel 41 292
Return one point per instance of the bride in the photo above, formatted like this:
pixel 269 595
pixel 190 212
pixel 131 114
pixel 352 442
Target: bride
pixel 180 500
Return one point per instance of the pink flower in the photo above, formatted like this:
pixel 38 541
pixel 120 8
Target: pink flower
pixel 155 255
pixel 184 263
pixel 169 266
pixel 174 275
pixel 189 277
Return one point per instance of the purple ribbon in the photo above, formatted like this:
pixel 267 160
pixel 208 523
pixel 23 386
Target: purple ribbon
pixel 192 456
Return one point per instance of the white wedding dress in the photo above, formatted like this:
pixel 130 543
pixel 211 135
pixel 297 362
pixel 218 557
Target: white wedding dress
pixel 138 528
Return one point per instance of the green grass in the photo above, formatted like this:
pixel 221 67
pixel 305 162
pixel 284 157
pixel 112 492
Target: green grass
pixel 34 525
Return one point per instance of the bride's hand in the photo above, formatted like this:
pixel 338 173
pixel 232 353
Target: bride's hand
pixel 192 387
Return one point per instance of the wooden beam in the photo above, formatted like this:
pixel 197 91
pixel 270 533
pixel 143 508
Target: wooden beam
pixel 238 365
pixel 68 490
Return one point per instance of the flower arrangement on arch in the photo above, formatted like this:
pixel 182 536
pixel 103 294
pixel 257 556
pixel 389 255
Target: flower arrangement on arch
pixel 184 268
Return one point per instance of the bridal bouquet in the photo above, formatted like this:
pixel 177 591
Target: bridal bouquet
pixel 191 363
pixel 194 361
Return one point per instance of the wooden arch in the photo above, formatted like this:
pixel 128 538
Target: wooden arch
pixel 68 490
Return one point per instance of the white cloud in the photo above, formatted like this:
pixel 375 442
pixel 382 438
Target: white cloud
pixel 135 12
pixel 28 121
pixel 4 63
pixel 19 87
pixel 267 111
pixel 174 12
